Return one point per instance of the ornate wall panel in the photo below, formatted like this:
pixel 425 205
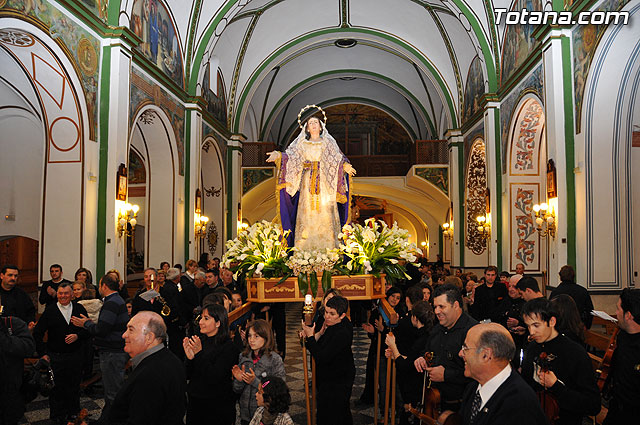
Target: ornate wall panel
pixel 524 158
pixel 475 197
pixel 524 245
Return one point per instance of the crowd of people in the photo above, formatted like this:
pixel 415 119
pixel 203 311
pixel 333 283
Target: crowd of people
pixel 495 348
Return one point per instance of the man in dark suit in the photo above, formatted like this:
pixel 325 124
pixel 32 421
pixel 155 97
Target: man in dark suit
pixel 579 294
pixel 499 395
pixel 155 392
pixel 50 287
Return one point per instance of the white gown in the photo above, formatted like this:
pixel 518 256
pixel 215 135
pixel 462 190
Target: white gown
pixel 317 220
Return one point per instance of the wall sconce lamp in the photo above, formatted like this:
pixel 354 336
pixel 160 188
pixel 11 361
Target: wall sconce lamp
pixel 447 230
pixel 545 220
pixel 127 214
pixel 201 225
pixel 484 226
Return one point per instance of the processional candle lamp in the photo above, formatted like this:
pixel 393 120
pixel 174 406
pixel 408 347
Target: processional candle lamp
pixel 307 312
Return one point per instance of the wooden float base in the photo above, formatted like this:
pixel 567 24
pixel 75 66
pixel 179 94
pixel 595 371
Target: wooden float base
pixel 355 287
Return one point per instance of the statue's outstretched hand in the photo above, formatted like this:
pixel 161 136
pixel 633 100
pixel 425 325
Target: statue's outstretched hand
pixel 273 156
pixel 348 169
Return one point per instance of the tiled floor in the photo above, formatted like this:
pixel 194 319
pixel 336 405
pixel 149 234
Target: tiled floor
pixel 38 410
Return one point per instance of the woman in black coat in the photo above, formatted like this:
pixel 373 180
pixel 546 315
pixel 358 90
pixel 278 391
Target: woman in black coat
pixel 209 364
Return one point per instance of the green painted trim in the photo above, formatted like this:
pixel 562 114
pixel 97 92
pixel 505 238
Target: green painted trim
pixel 113 12
pixel 392 82
pixel 352 99
pixel 557 5
pixel 407 48
pixel 230 224
pixel 440 242
pixel 488 6
pixel 86 15
pixel 567 78
pixel 461 184
pixel 187 183
pixel 498 160
pixel 193 25
pixel 103 167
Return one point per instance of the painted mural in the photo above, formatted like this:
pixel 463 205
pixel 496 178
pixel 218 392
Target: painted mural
pixel 524 240
pixel 437 176
pixel 144 91
pixel 470 137
pixel 524 150
pixel 216 103
pixel 151 21
pixel 475 196
pixel 207 131
pixel 84 48
pixel 251 177
pixel 98 7
pixel 137 172
pixel 474 89
pixel 531 84
pixel 585 41
pixel 518 40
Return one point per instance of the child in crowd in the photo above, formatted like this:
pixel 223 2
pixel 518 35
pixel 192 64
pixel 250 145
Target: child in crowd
pixel 331 349
pixel 258 360
pixel 273 399
pixel 236 300
pixel 92 304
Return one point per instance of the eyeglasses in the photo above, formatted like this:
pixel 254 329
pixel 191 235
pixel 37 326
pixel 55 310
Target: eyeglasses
pixel 465 348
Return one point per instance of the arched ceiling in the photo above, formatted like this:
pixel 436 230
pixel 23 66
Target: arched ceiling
pixel 279 55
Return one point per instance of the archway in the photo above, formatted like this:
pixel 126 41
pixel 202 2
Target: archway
pixel 526 186
pixel 152 140
pixel 212 186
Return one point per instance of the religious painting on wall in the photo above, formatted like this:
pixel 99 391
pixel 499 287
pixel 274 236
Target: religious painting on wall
pixel 216 101
pixel 151 21
pixel 474 89
pixel 137 170
pixel 518 40
pixel 524 244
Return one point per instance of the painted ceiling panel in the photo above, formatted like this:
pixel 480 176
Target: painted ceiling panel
pixel 227 48
pixel 329 59
pixel 336 89
pixel 281 24
pixel 208 12
pixel 477 7
pixel 411 23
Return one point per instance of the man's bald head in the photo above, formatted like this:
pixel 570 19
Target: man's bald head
pixel 496 338
pixel 154 324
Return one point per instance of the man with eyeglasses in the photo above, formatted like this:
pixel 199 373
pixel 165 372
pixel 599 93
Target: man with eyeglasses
pixel 501 396
pixel 447 369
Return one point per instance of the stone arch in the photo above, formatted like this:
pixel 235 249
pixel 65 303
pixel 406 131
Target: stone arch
pixel 44 74
pixel 526 183
pixel 212 183
pixel 152 135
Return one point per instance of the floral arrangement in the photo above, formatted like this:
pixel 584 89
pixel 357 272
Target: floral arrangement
pixel 375 248
pixel 260 249
pixel 307 265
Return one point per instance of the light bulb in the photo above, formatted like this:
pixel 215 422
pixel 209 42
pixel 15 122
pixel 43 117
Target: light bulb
pixel 136 208
pixel 544 206
pixel 445 226
pixel 550 219
pixel 204 219
pixel 480 229
pixel 539 221
pixel 536 208
pixel 122 222
pixel 133 222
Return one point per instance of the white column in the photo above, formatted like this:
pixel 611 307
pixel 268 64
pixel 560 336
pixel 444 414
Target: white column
pixel 456 152
pixel 554 93
pixel 492 180
pixel 195 138
pixel 234 156
pixel 118 149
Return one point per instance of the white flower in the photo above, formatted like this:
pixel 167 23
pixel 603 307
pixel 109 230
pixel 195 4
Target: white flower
pixel 393 261
pixel 381 250
pixel 259 268
pixel 367 266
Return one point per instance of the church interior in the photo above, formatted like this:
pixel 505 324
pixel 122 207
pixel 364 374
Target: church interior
pixel 137 131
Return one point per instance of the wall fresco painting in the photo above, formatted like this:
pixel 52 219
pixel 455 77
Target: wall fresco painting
pixel 470 138
pixel 151 21
pixel 518 40
pixel 84 48
pixel 526 143
pixel 137 172
pixel 475 196
pixel 525 242
pixel 216 104
pixel 532 84
pixel 474 89
pixel 98 7
pixel 585 41
pixel 144 91
pixel 437 176
pixel 251 177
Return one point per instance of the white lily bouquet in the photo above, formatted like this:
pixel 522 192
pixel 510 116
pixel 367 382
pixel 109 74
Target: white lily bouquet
pixel 375 248
pixel 307 265
pixel 260 249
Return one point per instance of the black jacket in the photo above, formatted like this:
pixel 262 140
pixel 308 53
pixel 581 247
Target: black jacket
pixel 17 303
pixel 580 295
pixel 333 355
pixel 577 393
pixel 514 402
pixel 154 393
pixel 486 302
pixel 52 321
pixel 445 344
pixel 16 343
pixel 213 365
pixel 45 298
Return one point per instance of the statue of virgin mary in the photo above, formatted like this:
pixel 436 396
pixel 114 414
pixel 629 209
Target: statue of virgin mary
pixel 312 187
